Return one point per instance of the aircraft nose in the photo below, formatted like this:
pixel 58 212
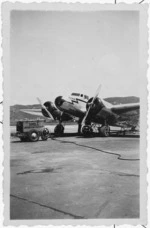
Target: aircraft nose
pixel 59 101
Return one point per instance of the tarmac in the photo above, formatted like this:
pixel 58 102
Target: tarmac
pixel 72 177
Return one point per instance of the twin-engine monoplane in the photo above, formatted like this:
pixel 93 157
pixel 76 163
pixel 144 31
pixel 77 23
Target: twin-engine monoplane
pixel 86 112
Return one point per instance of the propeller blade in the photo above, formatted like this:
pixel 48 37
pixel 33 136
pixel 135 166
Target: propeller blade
pixel 86 114
pixel 96 95
pixel 97 92
pixel 49 114
pixel 40 102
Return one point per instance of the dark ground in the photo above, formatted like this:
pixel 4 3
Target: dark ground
pixel 75 177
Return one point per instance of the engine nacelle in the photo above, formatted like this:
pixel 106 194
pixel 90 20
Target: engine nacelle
pixel 95 107
pixel 56 113
pixel 52 109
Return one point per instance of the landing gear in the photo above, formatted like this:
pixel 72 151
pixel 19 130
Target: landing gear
pixel 45 134
pixel 87 130
pixel 79 128
pixel 90 129
pixel 104 131
pixel 59 129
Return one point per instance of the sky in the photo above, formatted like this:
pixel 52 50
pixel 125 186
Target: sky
pixel 57 53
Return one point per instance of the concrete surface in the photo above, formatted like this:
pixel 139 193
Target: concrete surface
pixel 75 178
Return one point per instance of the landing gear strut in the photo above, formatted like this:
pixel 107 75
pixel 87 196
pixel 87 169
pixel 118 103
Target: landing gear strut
pixel 79 128
pixel 89 129
pixel 104 131
pixel 59 129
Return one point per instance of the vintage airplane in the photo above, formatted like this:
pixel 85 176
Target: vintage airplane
pixel 85 111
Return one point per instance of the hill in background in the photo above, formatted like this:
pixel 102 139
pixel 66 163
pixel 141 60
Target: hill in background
pixel 16 114
pixel 122 100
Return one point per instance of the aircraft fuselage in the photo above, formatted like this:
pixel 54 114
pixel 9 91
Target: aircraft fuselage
pixel 75 106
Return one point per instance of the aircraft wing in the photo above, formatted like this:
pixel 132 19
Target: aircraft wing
pixel 36 112
pixel 123 108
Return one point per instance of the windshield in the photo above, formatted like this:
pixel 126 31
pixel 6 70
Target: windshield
pixel 75 94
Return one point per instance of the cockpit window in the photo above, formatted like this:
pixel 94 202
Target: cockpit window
pixel 86 97
pixel 75 94
pixel 80 95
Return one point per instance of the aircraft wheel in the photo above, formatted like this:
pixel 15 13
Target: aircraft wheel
pixel 105 131
pixel 59 130
pixel 87 130
pixel 45 134
pixel 33 136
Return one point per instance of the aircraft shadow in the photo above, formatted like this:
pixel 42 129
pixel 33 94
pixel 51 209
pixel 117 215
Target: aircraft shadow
pixel 66 135
pixel 95 135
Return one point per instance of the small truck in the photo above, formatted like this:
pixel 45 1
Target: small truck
pixel 31 130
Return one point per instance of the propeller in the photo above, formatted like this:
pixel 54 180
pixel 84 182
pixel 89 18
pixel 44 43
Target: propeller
pixel 49 114
pixel 90 105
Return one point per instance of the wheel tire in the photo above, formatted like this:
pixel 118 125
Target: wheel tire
pixel 45 134
pixel 59 130
pixel 33 135
pixel 105 131
pixel 87 130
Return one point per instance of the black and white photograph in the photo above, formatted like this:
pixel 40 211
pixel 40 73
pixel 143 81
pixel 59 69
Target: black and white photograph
pixel 75 112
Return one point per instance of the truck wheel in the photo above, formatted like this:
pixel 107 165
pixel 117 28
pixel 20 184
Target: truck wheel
pixel 33 135
pixel 45 134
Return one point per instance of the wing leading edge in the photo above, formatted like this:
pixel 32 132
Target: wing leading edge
pixel 123 108
pixel 36 112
